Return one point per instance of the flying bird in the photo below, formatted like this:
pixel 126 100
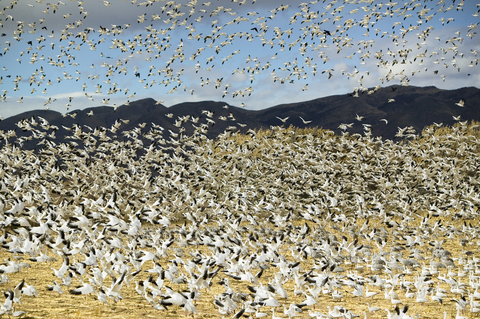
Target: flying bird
pixel 460 103
pixel 304 122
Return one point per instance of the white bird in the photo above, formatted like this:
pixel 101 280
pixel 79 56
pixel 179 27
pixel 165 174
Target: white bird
pixel 369 294
pixel 270 302
pixel 305 122
pixel 29 290
pixel 102 296
pixel 409 294
pixel 345 126
pixel 372 308
pixel 460 103
pixel 394 298
pixel 17 292
pixel 422 295
pixel 291 311
pixel 461 303
pixel 336 295
pixel 7 307
pixel 82 290
pixel 284 119
pixel 55 287
pixel 309 301
pixel 238 314
pixel 358 291
pixel 335 312
pixel 458 316
pixel 114 290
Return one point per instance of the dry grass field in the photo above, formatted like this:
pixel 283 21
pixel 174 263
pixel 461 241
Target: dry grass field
pixel 50 304
pixel 312 212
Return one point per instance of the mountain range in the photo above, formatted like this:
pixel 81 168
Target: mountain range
pixel 412 106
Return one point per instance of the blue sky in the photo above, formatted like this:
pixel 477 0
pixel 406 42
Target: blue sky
pixel 241 57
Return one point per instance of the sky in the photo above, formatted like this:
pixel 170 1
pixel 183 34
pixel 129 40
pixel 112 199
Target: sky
pixel 68 55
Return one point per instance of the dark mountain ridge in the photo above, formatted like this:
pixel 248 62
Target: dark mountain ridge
pixel 413 106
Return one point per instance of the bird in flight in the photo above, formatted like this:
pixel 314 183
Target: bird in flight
pixel 305 122
pixel 284 119
pixel 358 117
pixel 461 103
pixel 269 33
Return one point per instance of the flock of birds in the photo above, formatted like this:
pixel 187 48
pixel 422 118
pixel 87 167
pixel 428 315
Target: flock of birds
pixel 316 30
pixel 276 223
pixel 279 223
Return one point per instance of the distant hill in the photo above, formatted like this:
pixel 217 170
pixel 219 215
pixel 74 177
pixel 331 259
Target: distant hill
pixel 413 106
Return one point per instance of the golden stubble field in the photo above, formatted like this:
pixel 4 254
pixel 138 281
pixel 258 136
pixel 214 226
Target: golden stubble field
pixel 347 208
pixel 51 304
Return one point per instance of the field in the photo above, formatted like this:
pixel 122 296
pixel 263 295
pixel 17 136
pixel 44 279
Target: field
pixel 268 221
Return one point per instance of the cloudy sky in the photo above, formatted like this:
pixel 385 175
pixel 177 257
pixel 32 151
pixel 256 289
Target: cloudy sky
pixel 76 54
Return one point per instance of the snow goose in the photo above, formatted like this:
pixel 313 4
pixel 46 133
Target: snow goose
pixel 370 294
pixel 337 295
pixel 461 303
pixel 29 290
pixel 292 311
pixel 17 292
pixel 82 290
pixel 55 287
pixel 114 290
pixel 7 307
pixel 394 297
pixel 335 312
pixel 458 316
pixel 372 308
